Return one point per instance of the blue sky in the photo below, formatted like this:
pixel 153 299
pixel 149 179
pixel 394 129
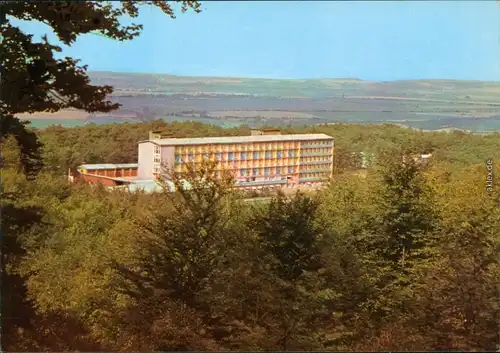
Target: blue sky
pixel 377 41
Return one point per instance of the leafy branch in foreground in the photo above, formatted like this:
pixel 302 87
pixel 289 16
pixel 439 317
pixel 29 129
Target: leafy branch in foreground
pixel 33 80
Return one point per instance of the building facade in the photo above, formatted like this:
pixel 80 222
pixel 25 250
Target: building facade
pixel 256 160
pixel 106 174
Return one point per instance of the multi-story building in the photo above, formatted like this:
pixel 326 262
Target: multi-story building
pixel 257 160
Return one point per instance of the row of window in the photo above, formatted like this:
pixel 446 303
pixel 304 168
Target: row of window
pixel 267 171
pixel 231 156
pixel 316 145
pixel 251 146
pixel 258 171
pixel 315 154
pixel 255 154
pixel 311 176
pixel 279 171
pixel 226 149
pixel 267 178
pixel 318 142
pixel 315 150
pixel 240 147
pixel 254 146
pixel 314 175
pixel 266 163
pixel 157 160
pixel 284 168
pixel 316 168
pixel 315 159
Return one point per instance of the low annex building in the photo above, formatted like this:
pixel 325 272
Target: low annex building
pixel 106 174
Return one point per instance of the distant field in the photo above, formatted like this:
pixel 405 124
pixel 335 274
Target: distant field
pixel 312 88
pixel 64 115
pixel 429 104
pixel 267 114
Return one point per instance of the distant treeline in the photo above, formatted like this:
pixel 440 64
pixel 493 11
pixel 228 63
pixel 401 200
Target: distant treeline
pixel 117 143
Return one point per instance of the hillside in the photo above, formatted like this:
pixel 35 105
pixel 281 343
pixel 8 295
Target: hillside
pixel 425 104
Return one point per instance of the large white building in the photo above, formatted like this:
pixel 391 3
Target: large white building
pixel 261 159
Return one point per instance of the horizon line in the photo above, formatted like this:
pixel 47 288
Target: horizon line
pixel 288 78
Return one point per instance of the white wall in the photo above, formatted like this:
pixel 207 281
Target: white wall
pixel 146 150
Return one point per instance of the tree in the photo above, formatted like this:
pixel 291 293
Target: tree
pixel 185 241
pixel 33 80
pixel 30 148
pixel 458 300
pixel 454 304
pixel 290 255
pixel 397 239
pixel 404 203
pixel 346 210
pixel 25 226
pixel 289 234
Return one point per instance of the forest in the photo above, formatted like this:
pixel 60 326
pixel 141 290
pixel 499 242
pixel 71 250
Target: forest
pixel 403 258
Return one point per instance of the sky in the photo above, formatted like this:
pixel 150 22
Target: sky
pixel 368 40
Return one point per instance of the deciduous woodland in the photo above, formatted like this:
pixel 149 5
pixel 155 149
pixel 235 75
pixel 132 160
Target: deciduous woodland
pixel 401 257
pixel 404 257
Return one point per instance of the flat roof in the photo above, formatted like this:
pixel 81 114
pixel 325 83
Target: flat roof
pixel 108 166
pixel 238 139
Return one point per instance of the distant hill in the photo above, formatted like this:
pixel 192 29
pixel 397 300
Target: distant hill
pixel 426 104
pixel 308 88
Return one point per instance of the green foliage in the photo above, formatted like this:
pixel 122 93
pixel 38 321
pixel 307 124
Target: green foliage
pixel 468 264
pixel 33 80
pixel 185 239
pixel 401 257
pixel 406 210
pixel 289 241
pixel 115 143
pixel 288 233
pixel 397 237
pixel 29 157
